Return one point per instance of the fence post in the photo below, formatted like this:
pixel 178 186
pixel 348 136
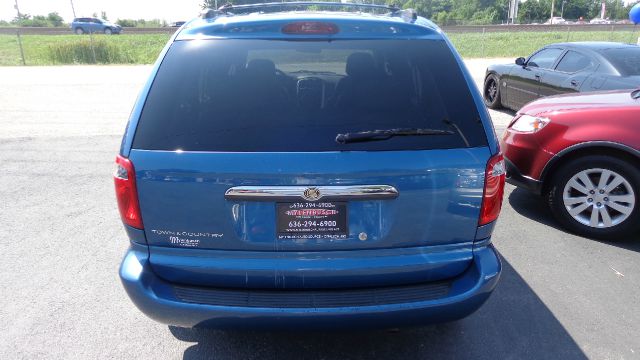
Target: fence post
pixel 93 50
pixel 20 46
pixel 611 34
pixel 568 32
pixel 483 41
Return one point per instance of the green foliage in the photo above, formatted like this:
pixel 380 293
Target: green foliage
pixel 515 44
pixel 540 11
pixel 51 20
pixel 73 49
pixel 141 23
pixel 127 22
pixel 55 19
pixel 144 48
pixel 86 51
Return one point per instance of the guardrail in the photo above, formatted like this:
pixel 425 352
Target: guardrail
pixel 449 29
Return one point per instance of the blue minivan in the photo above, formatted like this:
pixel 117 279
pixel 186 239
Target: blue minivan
pixel 93 25
pixel 298 166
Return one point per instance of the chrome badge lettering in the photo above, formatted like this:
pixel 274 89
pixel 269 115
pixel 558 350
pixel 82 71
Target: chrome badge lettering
pixel 190 239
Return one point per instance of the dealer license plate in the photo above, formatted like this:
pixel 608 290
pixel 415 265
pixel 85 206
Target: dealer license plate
pixel 310 220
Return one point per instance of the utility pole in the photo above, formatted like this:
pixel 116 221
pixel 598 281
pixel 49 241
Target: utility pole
pixel 18 34
pixel 73 9
pixel 513 10
pixel 18 10
pixel 553 8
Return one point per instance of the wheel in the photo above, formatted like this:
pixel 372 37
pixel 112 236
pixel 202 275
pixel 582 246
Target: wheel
pixel 597 196
pixel 79 31
pixel 492 92
pixel 107 31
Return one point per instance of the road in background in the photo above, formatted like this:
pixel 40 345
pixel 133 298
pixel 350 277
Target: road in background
pixel 561 296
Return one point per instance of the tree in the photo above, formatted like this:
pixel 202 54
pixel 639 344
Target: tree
pixel 21 18
pixel 127 22
pixel 103 15
pixel 55 19
pixel 532 11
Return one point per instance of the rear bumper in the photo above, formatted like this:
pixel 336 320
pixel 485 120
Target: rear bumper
pixel 158 299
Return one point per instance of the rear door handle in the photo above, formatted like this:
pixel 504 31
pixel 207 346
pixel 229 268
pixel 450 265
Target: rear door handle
pixel 574 83
pixel 538 77
pixel 300 193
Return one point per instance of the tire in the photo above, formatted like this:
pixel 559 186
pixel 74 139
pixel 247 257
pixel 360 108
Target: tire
pixel 587 207
pixel 108 31
pixel 79 31
pixel 491 93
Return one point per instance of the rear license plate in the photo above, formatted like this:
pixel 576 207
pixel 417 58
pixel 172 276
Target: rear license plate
pixel 325 220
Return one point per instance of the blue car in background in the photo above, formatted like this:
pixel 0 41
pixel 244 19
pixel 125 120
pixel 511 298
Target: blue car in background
pixel 309 169
pixel 93 25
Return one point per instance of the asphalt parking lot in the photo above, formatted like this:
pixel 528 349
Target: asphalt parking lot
pixel 561 296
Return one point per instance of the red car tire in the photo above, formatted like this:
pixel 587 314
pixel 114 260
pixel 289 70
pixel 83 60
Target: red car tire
pixel 612 207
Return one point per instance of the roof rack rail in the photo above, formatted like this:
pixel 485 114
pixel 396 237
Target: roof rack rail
pixel 228 9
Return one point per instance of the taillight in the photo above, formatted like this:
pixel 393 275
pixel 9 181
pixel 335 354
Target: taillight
pixel 126 193
pixel 494 179
pixel 310 28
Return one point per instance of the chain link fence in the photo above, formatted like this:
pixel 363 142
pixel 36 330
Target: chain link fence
pixel 43 46
pixel 522 40
pixel 20 47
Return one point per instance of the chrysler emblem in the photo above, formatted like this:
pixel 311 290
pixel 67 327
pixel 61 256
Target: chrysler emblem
pixel 311 194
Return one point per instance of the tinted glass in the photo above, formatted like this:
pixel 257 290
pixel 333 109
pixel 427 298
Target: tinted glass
pixel 573 62
pixel 626 60
pixel 271 95
pixel 545 58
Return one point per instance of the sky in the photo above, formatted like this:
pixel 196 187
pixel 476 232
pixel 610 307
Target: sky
pixel 170 10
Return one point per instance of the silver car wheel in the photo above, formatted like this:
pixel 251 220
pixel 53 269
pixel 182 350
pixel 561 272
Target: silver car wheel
pixel 599 198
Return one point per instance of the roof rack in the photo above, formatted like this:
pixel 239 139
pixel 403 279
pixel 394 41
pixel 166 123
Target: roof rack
pixel 229 8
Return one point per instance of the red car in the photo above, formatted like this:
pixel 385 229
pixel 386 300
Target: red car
pixel 582 152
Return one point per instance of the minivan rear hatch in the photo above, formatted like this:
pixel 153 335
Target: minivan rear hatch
pixel 310 147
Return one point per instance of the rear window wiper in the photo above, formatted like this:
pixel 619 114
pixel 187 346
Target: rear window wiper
pixel 378 135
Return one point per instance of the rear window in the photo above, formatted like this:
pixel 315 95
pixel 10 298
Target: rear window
pixel 280 96
pixel 625 60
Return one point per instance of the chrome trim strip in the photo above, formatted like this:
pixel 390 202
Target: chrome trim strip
pixel 296 193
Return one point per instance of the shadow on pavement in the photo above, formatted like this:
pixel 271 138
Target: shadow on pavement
pixel 535 208
pixel 514 323
pixel 532 206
